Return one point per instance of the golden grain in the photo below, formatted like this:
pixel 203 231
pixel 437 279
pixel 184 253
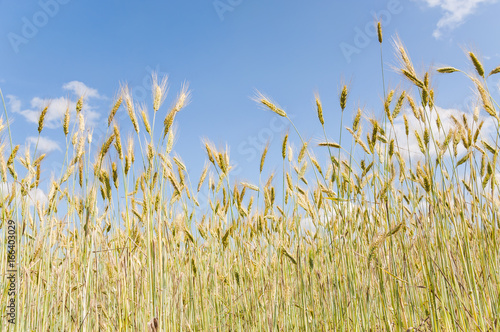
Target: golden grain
pixel 357 118
pixel 260 98
pixel 12 156
pixel 330 144
pixel 343 97
pixel 495 71
pixel 114 109
pixel 182 99
pixel 167 123
pixel 41 119
pixel 80 172
pixel 447 70
pixel 319 108
pixel 179 163
pixel 3 165
pixel 170 141
pixel 106 145
pixel 477 64
pixel 202 177
pixel 159 89
pixel 79 105
pixel 130 107
pixel 263 157
pixel 302 152
pixel 118 142
pixel 144 116
pixel 485 98
pixel 379 32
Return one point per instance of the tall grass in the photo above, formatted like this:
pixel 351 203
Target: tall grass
pixel 403 239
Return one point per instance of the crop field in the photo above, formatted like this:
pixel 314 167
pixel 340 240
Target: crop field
pixel 393 226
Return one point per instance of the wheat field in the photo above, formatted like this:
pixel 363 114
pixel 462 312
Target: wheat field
pixel 403 218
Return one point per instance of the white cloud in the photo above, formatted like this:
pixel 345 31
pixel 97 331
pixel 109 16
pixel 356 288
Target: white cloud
pixel 44 144
pixel 57 106
pixel 409 146
pixel 455 12
pixel 37 195
pixel 34 195
pixel 55 112
pixel 80 89
pixel 4 189
pixel 307 225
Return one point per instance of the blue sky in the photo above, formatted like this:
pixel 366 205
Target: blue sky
pixel 58 49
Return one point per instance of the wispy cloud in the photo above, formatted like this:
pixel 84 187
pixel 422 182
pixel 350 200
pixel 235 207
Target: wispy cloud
pixel 80 89
pixel 455 12
pixel 43 144
pixel 57 106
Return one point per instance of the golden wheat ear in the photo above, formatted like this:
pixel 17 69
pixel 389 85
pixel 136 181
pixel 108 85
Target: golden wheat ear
pixel 267 103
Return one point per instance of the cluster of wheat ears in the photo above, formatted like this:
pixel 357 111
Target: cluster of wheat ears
pixel 402 240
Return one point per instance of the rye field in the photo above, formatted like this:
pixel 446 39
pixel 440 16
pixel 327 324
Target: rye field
pixel 392 226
